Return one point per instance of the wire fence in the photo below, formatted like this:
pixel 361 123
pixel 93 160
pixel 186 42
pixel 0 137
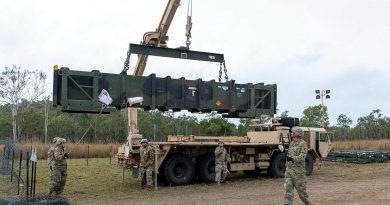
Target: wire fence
pixel 20 173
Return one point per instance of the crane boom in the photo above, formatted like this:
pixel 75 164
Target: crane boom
pixel 159 37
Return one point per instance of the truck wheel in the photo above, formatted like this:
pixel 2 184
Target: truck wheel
pixel 207 168
pixel 309 163
pixel 178 170
pixel 278 165
pixel 289 121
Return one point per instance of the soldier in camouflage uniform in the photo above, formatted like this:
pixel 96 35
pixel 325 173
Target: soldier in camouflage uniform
pixel 295 175
pixel 58 167
pixel 221 160
pixel 146 164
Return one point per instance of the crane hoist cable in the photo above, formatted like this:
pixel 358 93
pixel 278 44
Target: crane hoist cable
pixel 189 24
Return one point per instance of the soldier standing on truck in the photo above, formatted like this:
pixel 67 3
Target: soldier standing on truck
pixel 221 160
pixel 146 164
pixel 295 175
pixel 58 167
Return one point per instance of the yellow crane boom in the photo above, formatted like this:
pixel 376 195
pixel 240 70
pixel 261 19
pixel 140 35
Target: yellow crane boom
pixel 159 37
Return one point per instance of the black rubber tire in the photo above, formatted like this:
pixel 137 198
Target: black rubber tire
pixel 309 164
pixel 278 165
pixel 289 121
pixel 178 170
pixel 207 168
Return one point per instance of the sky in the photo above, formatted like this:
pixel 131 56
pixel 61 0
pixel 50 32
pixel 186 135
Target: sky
pixel 300 45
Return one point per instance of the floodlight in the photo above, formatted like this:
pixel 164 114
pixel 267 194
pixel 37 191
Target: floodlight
pixel 317 91
pixel 135 100
pixel 327 91
pixel 327 96
pixel 318 97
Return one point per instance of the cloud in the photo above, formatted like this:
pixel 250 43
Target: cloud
pixel 299 45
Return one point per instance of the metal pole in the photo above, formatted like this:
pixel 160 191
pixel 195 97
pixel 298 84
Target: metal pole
pixel 12 164
pixel 322 108
pixel 46 119
pixel 154 132
pixel 27 169
pixel 155 168
pixel 20 170
pixel 35 177
pixel 32 176
pixel 8 158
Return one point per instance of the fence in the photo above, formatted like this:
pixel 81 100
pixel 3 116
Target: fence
pixel 16 165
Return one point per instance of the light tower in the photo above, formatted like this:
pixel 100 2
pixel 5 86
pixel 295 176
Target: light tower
pixel 320 95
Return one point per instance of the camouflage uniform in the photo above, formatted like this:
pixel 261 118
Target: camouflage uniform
pixel 146 166
pixel 221 160
pixel 295 175
pixel 58 170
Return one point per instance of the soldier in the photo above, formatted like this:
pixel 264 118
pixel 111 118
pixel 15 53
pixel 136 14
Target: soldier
pixel 295 175
pixel 58 167
pixel 146 164
pixel 221 160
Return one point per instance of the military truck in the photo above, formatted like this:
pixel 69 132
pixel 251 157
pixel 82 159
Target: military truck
pixel 183 158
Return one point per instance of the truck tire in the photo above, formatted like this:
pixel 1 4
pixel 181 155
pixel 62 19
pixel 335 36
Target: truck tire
pixel 207 168
pixel 309 164
pixel 289 121
pixel 278 165
pixel 178 170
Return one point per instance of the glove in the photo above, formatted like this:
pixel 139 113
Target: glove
pixel 66 155
pixel 290 159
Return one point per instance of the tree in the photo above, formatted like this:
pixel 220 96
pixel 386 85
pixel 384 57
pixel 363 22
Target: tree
pixel 215 125
pixel 284 114
pixel 16 84
pixel 243 127
pixel 343 121
pixel 312 116
pixel 343 126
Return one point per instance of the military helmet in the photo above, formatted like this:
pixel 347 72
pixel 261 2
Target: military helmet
pixel 298 131
pixel 55 139
pixel 144 141
pixel 60 140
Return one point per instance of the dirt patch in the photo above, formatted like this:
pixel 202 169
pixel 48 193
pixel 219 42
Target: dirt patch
pixel 334 183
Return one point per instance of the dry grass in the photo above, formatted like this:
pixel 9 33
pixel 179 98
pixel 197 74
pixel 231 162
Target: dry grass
pixel 101 183
pixel 377 145
pixel 79 151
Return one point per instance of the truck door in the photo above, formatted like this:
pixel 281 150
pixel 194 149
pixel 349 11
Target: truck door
pixel 323 144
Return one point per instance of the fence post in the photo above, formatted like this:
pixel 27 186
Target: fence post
pixel 32 177
pixel 12 164
pixel 27 169
pixel 20 170
pixel 35 177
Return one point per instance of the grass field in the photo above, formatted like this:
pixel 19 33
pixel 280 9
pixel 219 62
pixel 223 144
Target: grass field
pixel 101 183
